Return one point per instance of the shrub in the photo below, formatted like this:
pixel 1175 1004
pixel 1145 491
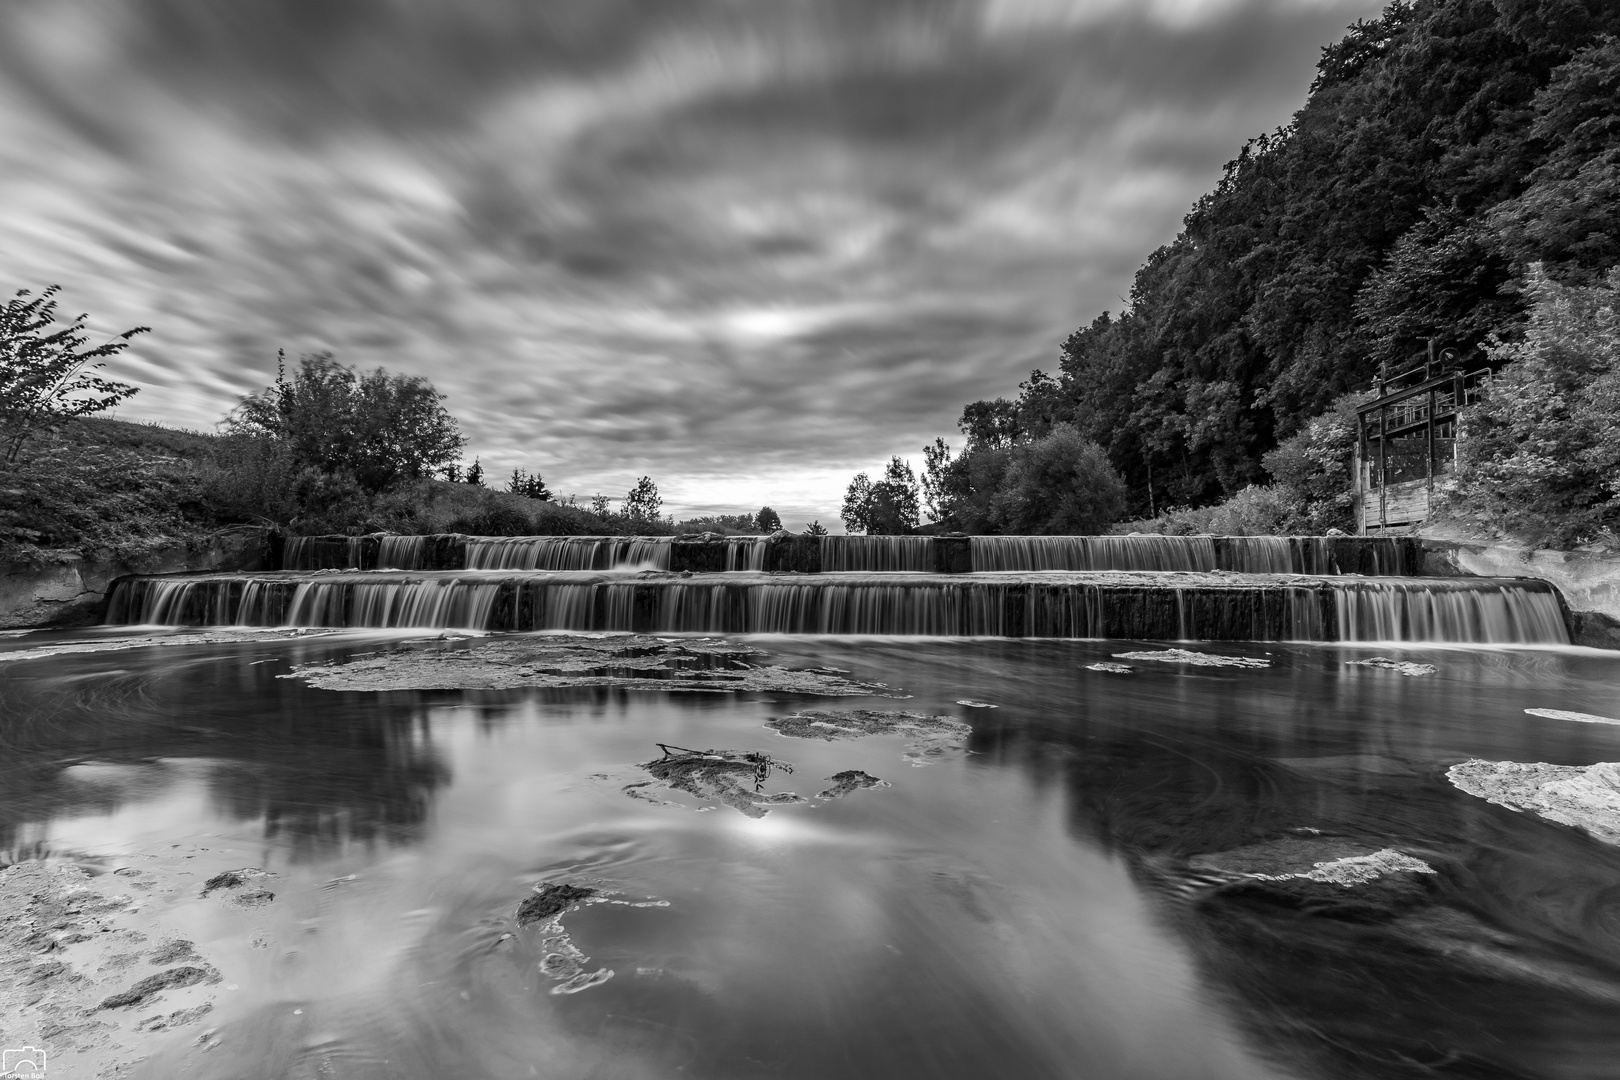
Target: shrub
pixel 376 427
pixel 1540 452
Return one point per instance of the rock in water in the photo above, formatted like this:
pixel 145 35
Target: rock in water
pixel 850 781
pixel 1110 668
pixel 1586 797
pixel 1195 659
pixel 550 901
pixel 1404 667
pixel 1576 717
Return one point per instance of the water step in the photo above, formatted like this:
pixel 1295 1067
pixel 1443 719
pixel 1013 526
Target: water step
pixel 1166 606
pixel 1376 556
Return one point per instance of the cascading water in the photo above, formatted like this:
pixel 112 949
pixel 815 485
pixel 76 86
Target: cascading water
pixel 1026 553
pixel 1051 604
pixel 568 552
pixel 882 554
pixel 400 552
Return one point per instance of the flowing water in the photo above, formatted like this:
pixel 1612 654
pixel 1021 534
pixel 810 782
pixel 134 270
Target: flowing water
pixel 1028 905
pixel 1053 604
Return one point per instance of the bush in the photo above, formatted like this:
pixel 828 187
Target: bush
pixel 377 428
pixel 1060 483
pixel 1313 472
pixel 1540 452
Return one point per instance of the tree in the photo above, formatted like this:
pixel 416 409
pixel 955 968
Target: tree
pixel 642 502
pixel 48 373
pixel 601 505
pixel 376 427
pixel 1540 452
pixel 766 520
pixel 1442 148
pixel 815 528
pixel 857 504
pixel 475 473
pixel 452 472
pixel 936 460
pixel 1061 484
pixel 888 507
pixel 528 486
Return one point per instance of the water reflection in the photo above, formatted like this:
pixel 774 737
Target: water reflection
pixel 1042 907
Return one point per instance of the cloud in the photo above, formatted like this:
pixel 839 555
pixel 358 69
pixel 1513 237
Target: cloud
pixel 744 248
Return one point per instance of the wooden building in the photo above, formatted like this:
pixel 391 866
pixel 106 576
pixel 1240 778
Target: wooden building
pixel 1407 439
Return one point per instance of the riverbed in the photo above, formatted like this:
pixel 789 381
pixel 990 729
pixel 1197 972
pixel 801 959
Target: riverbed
pixel 844 858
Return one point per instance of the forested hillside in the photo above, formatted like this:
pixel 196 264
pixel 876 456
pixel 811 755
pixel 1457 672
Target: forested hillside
pixel 1444 148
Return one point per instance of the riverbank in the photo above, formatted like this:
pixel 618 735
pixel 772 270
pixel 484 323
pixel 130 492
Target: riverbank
pixel 66 589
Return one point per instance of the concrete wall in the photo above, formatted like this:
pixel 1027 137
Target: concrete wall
pixel 1590 583
pixel 70 590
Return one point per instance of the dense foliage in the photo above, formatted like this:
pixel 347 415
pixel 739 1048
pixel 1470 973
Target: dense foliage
pixel 889 507
pixel 1444 148
pixel 1056 482
pixel 374 429
pixel 1541 450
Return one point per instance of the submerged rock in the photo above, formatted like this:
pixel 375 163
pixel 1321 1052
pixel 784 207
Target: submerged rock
pixel 1195 659
pixel 731 777
pixel 850 781
pixel 1575 717
pixel 238 885
pixel 970 703
pixel 562 959
pixel 189 975
pixel 1404 667
pixel 1585 797
pixel 934 738
pixel 551 901
pixel 631 662
pixel 1107 667
pixel 1327 859
pixel 855 723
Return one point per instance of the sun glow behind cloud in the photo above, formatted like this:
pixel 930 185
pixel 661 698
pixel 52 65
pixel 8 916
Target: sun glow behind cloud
pixel 745 249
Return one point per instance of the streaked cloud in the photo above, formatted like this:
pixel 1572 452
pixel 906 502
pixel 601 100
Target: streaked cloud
pixel 745 248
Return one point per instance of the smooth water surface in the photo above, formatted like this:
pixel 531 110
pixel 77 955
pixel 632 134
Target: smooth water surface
pixel 1024 908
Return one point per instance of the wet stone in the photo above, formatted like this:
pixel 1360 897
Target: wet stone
pixel 1110 668
pixel 1585 797
pixel 1402 667
pixel 850 781
pixel 1195 659
pixel 629 662
pixel 855 723
pixel 173 978
pixel 551 901
pixel 731 777
pixel 1572 717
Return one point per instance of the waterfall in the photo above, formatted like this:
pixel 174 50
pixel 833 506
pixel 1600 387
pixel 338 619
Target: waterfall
pixel 1008 553
pixel 746 552
pixel 568 552
pixel 1489 612
pixel 400 552
pixel 1045 605
pixel 909 554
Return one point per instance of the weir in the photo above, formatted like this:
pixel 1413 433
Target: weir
pixel 1321 555
pixel 1143 605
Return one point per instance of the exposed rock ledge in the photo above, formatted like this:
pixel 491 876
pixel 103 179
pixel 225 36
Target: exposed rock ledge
pixel 1586 797
pixel 68 589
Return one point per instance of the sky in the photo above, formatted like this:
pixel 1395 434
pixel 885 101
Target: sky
pixel 745 247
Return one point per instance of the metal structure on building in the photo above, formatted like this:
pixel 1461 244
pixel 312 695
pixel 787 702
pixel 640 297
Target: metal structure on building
pixel 1407 437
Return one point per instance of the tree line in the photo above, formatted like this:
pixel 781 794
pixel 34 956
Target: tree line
pixel 1444 149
